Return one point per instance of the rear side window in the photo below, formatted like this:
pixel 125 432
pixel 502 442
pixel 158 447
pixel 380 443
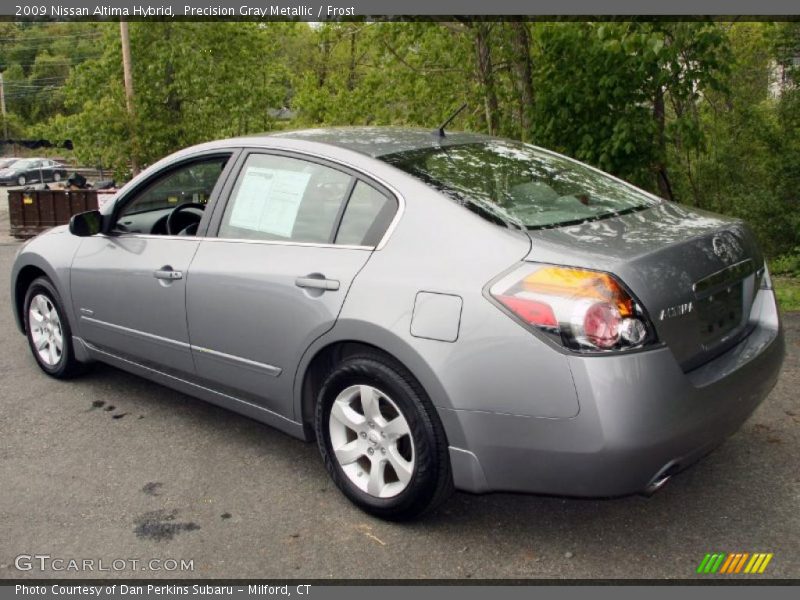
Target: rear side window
pixel 366 217
pixel 278 198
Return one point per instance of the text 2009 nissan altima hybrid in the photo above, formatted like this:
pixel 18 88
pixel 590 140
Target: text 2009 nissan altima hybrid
pixel 438 311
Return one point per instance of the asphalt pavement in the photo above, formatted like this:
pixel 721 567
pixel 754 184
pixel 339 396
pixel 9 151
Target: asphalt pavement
pixel 111 467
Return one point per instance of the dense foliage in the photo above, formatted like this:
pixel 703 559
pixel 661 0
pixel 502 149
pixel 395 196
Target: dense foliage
pixel 705 113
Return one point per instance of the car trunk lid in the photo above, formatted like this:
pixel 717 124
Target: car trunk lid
pixel 695 273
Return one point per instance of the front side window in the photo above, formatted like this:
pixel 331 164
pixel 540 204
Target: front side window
pixel 192 182
pixel 515 183
pixel 173 202
pixel 278 198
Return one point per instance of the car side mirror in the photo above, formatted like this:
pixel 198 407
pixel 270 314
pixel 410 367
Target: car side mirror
pixel 86 224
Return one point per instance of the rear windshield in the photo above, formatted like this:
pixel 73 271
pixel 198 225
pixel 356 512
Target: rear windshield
pixel 518 184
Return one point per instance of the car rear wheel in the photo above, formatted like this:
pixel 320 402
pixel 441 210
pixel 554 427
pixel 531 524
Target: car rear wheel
pixel 48 331
pixel 21 180
pixel 381 439
pixel 56 177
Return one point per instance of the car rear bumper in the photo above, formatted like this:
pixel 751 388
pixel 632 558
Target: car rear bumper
pixel 640 417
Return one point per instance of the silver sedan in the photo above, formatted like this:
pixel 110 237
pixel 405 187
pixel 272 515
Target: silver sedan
pixel 436 311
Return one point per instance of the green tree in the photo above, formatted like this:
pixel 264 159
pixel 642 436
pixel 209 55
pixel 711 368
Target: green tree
pixel 750 167
pixel 37 59
pixel 193 82
pixel 618 95
pixel 692 111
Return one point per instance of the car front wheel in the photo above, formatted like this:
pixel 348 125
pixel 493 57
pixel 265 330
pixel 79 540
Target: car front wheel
pixel 381 439
pixel 21 180
pixel 56 177
pixel 48 331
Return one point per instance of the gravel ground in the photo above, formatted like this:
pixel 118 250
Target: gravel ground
pixel 110 466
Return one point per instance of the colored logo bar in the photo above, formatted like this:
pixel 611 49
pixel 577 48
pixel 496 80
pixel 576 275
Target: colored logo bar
pixel 734 563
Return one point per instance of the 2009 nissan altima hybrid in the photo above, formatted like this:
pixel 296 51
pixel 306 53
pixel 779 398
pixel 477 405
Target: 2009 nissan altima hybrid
pixel 437 311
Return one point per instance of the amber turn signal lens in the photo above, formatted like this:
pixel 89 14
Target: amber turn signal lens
pixel 584 310
pixel 578 283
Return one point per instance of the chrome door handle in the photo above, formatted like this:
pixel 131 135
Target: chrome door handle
pixel 317 283
pixel 168 274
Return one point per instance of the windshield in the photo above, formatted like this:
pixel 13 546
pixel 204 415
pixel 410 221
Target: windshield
pixel 519 184
pixel 24 164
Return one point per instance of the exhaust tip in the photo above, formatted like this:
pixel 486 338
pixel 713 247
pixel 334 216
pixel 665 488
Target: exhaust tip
pixel 661 479
pixel 656 485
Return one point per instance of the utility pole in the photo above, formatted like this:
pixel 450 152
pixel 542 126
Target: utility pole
pixel 128 77
pixel 3 107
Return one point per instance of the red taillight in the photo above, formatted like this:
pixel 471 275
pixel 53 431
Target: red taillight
pixel 601 325
pixel 582 309
pixel 530 311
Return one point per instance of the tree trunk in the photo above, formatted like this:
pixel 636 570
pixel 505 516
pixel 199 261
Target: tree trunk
pixel 660 166
pixel 322 74
pixel 523 79
pixel 172 101
pixel 486 75
pixel 351 75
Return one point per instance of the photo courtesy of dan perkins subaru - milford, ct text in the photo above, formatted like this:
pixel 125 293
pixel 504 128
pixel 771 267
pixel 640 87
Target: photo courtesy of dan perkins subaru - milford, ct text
pixel 160 590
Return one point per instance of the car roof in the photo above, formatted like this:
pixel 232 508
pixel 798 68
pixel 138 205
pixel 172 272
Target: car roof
pixel 378 141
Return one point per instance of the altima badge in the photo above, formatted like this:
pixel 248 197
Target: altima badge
pixel 675 311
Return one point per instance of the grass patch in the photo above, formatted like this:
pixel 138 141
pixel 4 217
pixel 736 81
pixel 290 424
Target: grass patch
pixel 787 289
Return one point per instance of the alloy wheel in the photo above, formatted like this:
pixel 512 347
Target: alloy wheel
pixel 46 332
pixel 372 441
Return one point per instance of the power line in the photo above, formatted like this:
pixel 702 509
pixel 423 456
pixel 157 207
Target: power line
pixel 44 63
pixel 30 93
pixel 44 45
pixel 34 81
pixel 54 78
pixel 22 88
pixel 43 38
pixel 47 39
pixel 26 81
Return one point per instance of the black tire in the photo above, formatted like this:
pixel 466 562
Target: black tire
pixel 56 176
pixel 66 366
pixel 431 482
pixel 21 180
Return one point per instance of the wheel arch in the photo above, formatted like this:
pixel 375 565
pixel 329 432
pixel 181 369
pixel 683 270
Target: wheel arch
pixel 26 275
pixel 47 255
pixel 345 339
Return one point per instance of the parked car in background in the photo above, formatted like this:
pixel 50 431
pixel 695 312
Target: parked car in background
pixel 32 170
pixel 435 311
